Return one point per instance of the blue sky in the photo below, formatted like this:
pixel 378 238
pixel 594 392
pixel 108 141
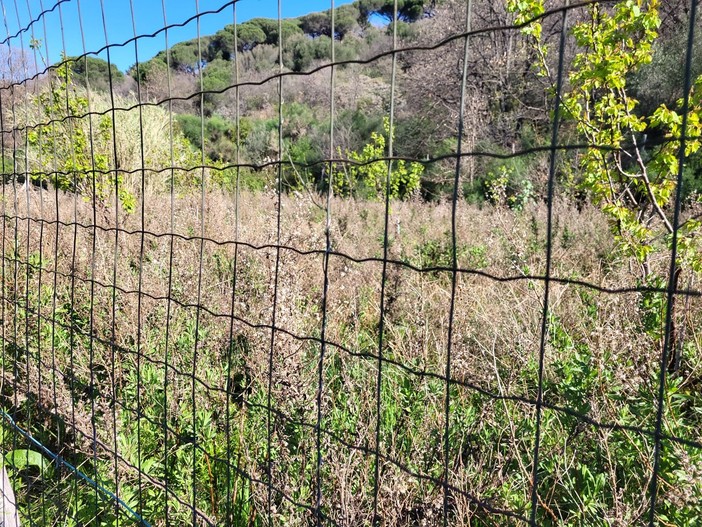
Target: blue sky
pixel 148 17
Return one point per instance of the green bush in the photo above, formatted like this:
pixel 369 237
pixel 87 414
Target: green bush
pixel 216 76
pixel 154 69
pixel 269 26
pixel 508 188
pixel 407 10
pixel 507 181
pixel 405 30
pixel 319 24
pixel 95 71
pixel 367 178
pixel 220 135
pixel 248 36
pixel 74 153
pixel 244 177
pixel 301 51
pixel 301 152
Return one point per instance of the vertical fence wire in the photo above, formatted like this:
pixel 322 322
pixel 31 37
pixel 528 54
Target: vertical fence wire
pixel 549 258
pixel 54 254
pixel 113 311
pixel 377 520
pixel 26 300
pixel 454 264
pixel 667 347
pixel 325 279
pixel 15 246
pixel 194 432
pixel 74 258
pixel 235 266
pixel 276 273
pixel 171 243
pixel 3 237
pixel 91 300
pixel 142 219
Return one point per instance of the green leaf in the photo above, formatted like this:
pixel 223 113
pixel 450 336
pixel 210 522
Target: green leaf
pixel 23 458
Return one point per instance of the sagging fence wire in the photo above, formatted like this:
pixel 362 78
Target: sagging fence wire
pixel 189 337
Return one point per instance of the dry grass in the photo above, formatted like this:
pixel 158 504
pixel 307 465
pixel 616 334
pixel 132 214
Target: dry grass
pixel 102 308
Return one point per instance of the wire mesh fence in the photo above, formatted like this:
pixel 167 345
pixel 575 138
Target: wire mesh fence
pixel 216 310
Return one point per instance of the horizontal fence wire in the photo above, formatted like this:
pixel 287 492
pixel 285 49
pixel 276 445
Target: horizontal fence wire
pixel 194 334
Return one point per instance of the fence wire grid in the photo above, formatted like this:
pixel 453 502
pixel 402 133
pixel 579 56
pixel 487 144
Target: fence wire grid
pixel 233 293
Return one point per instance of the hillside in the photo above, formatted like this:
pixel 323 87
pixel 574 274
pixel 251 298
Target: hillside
pixel 438 272
pixel 507 101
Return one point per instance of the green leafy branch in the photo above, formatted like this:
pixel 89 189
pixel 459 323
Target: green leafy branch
pixel 634 187
pixel 70 151
pixel 369 178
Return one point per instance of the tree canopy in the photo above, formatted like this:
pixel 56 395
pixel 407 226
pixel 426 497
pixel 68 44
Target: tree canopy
pixel 634 184
pixel 93 70
pixel 319 24
pixel 407 10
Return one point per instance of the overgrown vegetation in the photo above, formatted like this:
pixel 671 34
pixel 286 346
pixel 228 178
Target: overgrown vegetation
pixel 136 318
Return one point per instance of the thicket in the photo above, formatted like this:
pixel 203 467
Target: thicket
pixel 499 121
pixel 134 387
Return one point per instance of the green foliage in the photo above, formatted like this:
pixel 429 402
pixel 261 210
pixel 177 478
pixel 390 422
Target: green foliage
pixel 259 36
pixel 508 181
pixel 191 127
pixel 420 136
pixel 269 26
pixel 22 458
pixel 633 187
pixel 367 177
pixel 261 141
pixel 302 51
pixel 508 187
pixel 221 151
pixel 692 179
pixel 216 76
pixel 439 253
pixel 95 71
pixel 360 125
pixel 302 151
pixel 316 24
pixel 346 20
pixel 184 56
pixel 661 81
pixel 583 491
pixel 245 178
pixel 151 70
pixel 184 432
pixel 6 168
pixel 222 43
pixel 319 24
pixel 407 10
pixel 220 135
pixel 213 436
pixel 405 30
pixel 302 146
pixel 248 36
pixel 652 306
pixel 73 153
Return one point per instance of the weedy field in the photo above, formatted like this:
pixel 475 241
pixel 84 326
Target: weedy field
pixel 140 349
pixel 192 335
